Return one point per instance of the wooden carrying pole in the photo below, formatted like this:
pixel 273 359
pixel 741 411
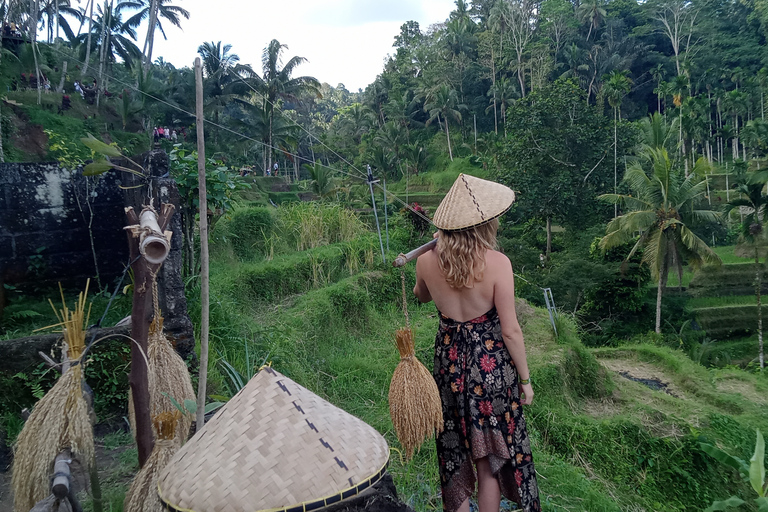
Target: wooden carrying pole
pixel 204 277
pixel 403 259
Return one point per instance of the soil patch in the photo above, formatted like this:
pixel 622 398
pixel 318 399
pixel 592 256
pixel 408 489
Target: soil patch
pixel 643 373
pixel 745 389
pixel 280 187
pixel 28 138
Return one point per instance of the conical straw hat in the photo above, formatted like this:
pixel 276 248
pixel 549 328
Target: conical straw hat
pixel 471 202
pixel 275 446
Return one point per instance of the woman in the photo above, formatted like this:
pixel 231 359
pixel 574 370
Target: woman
pixel 480 364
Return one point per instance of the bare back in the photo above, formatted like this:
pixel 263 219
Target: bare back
pixel 465 303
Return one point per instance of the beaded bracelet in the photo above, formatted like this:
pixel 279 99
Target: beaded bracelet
pixel 525 381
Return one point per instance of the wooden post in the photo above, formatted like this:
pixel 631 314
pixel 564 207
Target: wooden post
pixel 204 277
pixel 143 270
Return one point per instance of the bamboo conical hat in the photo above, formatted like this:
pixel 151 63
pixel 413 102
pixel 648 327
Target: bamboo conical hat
pixel 274 446
pixel 471 202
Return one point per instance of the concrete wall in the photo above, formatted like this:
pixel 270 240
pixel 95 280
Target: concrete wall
pixel 44 235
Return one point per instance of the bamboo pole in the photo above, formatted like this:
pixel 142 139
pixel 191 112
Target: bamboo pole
pixel 403 259
pixel 204 277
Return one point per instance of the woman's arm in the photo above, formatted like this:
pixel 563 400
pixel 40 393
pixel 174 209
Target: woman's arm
pixel 421 290
pixel 504 299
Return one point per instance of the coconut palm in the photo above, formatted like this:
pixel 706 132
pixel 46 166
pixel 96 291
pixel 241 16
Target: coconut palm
pixel 502 93
pixel 658 76
pixel 657 133
pixel 111 36
pixel 163 9
pixel 616 86
pixel 278 83
pixel 592 12
pixel 222 84
pixel 753 204
pixel 442 104
pixel 322 181
pixel 662 208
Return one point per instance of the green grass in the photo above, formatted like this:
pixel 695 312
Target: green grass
pixel 587 459
pixel 728 256
pixel 437 182
pixel 715 302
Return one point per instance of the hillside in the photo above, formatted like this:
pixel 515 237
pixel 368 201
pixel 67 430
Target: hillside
pixel 602 437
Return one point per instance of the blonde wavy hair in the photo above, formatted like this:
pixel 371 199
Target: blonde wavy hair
pixel 461 254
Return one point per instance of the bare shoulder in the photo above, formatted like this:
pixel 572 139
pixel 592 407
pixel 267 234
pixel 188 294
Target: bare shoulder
pixel 427 260
pixel 498 261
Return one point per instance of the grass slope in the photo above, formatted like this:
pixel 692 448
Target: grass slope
pixel 601 442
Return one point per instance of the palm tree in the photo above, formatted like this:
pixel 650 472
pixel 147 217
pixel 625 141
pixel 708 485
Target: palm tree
pixel 658 76
pixel 277 83
pixel 616 87
pixel 442 104
pixel 680 87
pixel 661 207
pixel 657 133
pixel 162 9
pixel 112 38
pixel 592 12
pixel 755 203
pixel 219 69
pixel 504 94
pixel 322 181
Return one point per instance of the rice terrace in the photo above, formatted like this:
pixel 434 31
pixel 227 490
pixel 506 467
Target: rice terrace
pixel 519 264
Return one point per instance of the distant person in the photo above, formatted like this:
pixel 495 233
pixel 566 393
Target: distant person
pixel 167 133
pixel 79 89
pixel 275 168
pixel 161 132
pixel 156 135
pixel 174 137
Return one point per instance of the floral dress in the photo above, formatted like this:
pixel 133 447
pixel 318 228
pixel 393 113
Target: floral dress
pixel 482 414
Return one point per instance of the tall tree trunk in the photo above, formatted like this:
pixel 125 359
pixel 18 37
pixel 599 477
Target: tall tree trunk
pixel 448 136
pixel 88 47
pixel 758 291
pixel 102 50
pixel 150 40
pixel 662 284
pixel 35 16
pixel 549 238
pixel 493 86
pixel 2 160
pixel 615 166
pixel 56 4
pixel 60 88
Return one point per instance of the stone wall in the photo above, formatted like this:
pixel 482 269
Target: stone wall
pixel 44 218
pixel 38 209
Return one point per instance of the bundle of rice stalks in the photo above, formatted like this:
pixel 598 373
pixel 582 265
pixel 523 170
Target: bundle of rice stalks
pixel 142 496
pixel 168 377
pixel 414 401
pixel 59 420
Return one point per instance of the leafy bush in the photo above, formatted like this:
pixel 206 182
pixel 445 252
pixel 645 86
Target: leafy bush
pixel 249 229
pixel 107 374
pixel 300 272
pixel 586 377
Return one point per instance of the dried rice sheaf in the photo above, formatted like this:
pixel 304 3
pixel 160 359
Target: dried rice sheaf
pixel 414 400
pixel 169 376
pixel 142 496
pixel 59 420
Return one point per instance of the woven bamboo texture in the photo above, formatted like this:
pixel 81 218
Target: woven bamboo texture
pixel 471 202
pixel 274 445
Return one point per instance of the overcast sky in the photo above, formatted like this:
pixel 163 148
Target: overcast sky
pixel 345 41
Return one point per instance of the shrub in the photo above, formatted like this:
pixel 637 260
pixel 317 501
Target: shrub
pixel 585 375
pixel 249 229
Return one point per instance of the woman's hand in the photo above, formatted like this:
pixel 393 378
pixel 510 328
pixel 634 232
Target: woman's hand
pixel 526 393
